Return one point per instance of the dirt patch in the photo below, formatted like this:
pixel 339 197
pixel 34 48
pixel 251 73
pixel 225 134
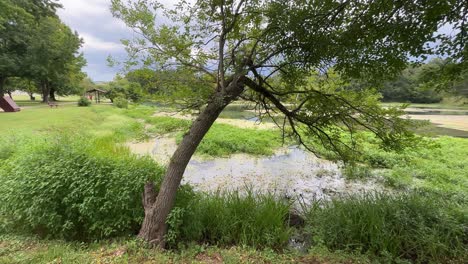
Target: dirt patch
pixel 214 258
pixel 459 122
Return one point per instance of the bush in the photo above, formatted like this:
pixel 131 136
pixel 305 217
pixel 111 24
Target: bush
pixel 67 187
pixel 83 101
pixel 120 102
pixel 231 218
pixel 420 227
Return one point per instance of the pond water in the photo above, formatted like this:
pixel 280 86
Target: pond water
pixel 290 172
pixel 434 111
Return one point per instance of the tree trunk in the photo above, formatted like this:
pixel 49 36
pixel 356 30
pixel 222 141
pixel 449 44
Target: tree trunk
pixel 158 208
pixel 52 94
pixel 31 96
pixel 2 84
pixel 9 94
pixel 45 92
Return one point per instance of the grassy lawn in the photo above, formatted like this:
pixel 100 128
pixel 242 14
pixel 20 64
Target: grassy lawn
pixel 23 100
pixel 14 249
pixel 98 118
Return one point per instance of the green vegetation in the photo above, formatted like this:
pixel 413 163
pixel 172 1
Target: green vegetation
pixel 231 218
pixel 437 165
pixel 319 68
pixel 419 227
pixel 442 168
pixel 223 140
pixel 99 120
pixel 58 181
pixel 165 125
pixel 17 249
pixel 120 102
pixel 83 101
pixel 39 52
pixel 73 187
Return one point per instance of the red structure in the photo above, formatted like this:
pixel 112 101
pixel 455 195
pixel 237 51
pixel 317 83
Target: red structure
pixel 8 105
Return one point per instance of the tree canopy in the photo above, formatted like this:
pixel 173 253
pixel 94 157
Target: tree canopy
pixel 36 45
pixel 267 52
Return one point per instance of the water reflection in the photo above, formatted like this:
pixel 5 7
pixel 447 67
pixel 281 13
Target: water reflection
pixel 290 172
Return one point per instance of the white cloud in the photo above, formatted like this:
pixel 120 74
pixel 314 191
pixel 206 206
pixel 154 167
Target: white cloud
pixel 81 8
pixel 94 43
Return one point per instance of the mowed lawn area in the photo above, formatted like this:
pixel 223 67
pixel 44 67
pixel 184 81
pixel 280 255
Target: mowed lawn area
pixel 66 117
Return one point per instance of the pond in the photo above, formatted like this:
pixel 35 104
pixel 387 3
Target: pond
pixel 290 172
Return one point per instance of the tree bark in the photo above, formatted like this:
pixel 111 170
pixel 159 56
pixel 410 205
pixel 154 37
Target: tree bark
pixel 2 84
pixel 45 92
pixel 154 225
pixel 52 94
pixel 9 94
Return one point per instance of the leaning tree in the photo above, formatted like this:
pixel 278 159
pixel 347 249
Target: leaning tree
pixel 265 50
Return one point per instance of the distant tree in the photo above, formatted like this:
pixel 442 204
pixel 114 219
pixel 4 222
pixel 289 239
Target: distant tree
pixel 17 21
pixel 53 57
pixel 121 87
pixel 68 81
pixel 410 86
pixel 445 75
pixel 21 84
pixel 87 84
pixel 241 44
pixel 147 78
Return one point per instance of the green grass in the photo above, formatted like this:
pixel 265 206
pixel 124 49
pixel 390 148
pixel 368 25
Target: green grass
pixel 23 100
pixel 101 120
pixel 419 227
pixel 223 140
pixel 362 227
pixel 232 218
pixel 442 168
pixel 16 249
pixel 164 125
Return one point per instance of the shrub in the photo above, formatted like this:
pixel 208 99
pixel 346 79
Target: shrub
pixel 120 102
pixel 231 218
pixel 83 101
pixel 420 227
pixel 69 188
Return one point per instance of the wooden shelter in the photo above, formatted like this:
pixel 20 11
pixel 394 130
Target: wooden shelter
pixel 97 94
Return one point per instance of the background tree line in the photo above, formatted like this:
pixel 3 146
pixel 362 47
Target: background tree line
pixel 426 83
pixel 38 52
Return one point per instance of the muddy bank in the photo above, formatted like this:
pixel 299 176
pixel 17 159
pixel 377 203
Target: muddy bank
pixel 290 172
pixel 459 122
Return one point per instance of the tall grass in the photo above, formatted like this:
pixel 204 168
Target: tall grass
pixel 164 125
pixel 233 218
pixel 421 227
pixel 224 140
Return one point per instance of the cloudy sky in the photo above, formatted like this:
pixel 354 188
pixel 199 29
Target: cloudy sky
pixel 100 31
